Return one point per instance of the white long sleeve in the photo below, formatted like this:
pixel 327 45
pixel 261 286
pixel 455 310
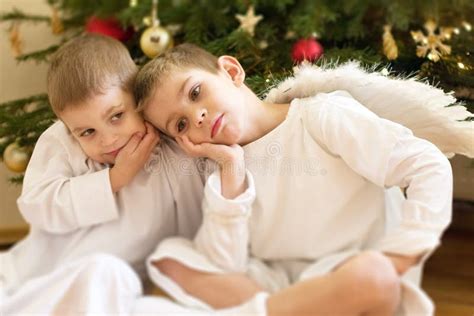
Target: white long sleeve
pixel 58 198
pixel 224 234
pixel 388 154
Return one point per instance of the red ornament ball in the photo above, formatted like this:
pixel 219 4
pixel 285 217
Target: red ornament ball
pixel 306 49
pixel 109 27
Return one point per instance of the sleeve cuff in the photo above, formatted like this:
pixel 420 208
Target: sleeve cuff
pixel 408 241
pixel 228 208
pixel 93 199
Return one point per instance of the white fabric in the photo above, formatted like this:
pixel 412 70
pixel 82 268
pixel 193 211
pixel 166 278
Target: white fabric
pixel 149 305
pixel 102 284
pixel 327 179
pixel 332 159
pixel 93 285
pixel 228 246
pixel 427 111
pixel 72 211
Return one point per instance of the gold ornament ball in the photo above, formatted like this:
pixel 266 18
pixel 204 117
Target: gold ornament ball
pixel 155 41
pixel 16 158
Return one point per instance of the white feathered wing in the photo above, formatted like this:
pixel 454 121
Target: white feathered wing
pixel 428 111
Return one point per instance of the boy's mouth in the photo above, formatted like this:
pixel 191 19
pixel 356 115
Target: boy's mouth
pixel 216 125
pixel 115 152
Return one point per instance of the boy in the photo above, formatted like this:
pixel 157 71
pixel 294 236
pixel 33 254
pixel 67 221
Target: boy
pixel 326 225
pixel 97 182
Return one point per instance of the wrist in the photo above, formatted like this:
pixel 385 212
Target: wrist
pixel 117 181
pixel 233 182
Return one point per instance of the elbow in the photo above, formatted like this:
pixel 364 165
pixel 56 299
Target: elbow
pixel 36 215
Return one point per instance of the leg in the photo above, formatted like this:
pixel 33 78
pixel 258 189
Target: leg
pixel 366 284
pixel 217 290
pixel 99 284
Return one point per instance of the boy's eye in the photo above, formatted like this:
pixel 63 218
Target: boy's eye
pixel 87 132
pixel 181 125
pixel 117 116
pixel 195 92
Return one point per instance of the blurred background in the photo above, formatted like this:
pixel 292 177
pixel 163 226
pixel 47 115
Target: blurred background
pixel 429 39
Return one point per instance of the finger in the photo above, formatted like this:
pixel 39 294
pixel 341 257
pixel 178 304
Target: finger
pixel 151 138
pixel 186 144
pixel 133 143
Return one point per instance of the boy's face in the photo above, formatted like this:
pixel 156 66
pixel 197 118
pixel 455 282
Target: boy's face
pixel 205 107
pixel 104 124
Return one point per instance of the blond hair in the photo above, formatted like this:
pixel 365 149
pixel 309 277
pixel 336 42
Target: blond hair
pixel 184 56
pixel 86 66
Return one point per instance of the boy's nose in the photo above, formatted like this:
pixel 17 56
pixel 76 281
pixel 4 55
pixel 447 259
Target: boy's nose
pixel 201 115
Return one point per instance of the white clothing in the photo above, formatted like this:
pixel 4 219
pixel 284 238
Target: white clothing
pixel 98 284
pixel 102 284
pixel 327 180
pixel 68 201
pixel 322 177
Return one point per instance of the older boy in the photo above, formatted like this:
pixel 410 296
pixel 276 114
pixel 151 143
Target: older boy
pixel 327 228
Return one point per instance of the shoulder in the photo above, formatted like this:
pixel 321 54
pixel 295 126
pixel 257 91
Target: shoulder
pixel 337 101
pixel 57 140
pixel 57 133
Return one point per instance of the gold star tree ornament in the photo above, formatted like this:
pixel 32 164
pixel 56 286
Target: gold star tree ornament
pixel 432 45
pixel 249 20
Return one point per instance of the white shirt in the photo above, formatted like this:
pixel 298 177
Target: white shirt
pixel 322 179
pixel 68 201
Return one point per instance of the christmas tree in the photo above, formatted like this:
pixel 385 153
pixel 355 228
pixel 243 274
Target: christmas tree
pixel 432 39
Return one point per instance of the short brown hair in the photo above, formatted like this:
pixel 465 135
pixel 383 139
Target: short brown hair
pixel 184 56
pixel 87 66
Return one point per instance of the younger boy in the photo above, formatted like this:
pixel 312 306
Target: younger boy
pixel 324 226
pixel 97 181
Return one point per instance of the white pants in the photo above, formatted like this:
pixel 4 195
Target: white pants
pixel 272 276
pixel 94 285
pixel 98 284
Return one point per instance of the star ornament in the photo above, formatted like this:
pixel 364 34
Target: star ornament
pixel 432 44
pixel 249 20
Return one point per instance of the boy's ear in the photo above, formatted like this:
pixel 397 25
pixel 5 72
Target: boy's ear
pixel 232 68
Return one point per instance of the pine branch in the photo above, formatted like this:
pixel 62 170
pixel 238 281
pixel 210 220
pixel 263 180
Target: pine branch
pixel 38 56
pixel 17 15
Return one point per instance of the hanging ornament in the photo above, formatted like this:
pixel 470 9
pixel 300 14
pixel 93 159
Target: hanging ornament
pixel 390 48
pixel 16 43
pixel 155 40
pixel 290 35
pixel 263 44
pixel 16 158
pixel 249 21
pixel 109 27
pixel 467 26
pixel 57 26
pixel 306 49
pixel 431 45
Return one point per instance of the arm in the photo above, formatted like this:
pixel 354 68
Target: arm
pixel 61 192
pixel 64 191
pixel 387 154
pixel 228 196
pixel 224 235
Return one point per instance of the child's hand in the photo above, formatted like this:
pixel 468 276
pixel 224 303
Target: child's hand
pixel 133 157
pixel 229 158
pixel 221 154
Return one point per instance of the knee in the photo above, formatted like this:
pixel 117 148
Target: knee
pixel 374 280
pixel 110 270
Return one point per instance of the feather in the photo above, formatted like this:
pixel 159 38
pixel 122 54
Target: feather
pixel 428 111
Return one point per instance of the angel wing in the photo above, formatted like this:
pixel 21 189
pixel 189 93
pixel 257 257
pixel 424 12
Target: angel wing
pixel 428 111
